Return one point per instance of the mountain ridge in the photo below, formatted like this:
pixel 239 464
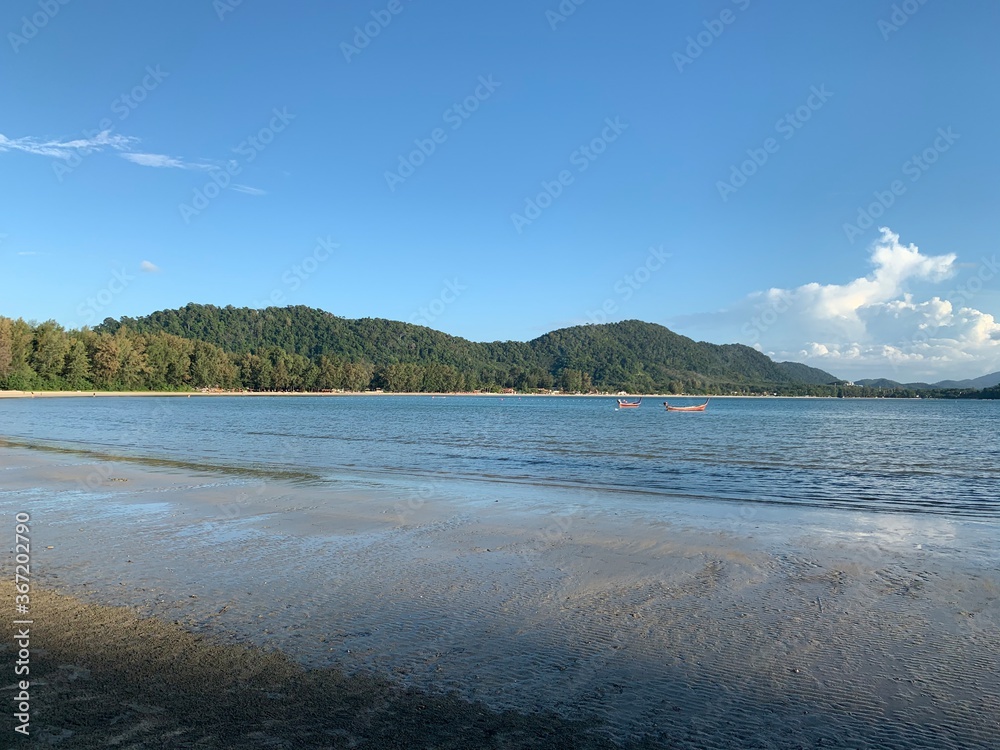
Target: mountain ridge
pixel 632 354
pixel 984 381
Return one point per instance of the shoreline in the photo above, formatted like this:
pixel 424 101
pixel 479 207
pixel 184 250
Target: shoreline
pixel 786 628
pixel 311 394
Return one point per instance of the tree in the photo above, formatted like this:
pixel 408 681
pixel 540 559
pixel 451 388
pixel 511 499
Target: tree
pixel 133 367
pixel 211 367
pixel 571 381
pixel 357 376
pixel 76 370
pixel 256 372
pixel 169 361
pixel 331 374
pixel 48 357
pixel 6 348
pixel 105 362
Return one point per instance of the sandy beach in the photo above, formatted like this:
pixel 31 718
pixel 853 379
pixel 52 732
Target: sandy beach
pixel 724 630
pixel 104 677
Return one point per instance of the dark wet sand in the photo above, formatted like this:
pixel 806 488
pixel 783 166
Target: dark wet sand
pixel 103 677
pixel 549 621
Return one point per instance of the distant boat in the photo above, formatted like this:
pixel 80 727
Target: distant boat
pixel 624 403
pixel 699 407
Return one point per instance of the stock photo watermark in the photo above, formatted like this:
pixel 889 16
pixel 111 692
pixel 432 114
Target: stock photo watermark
pixel 787 126
pixel 581 158
pixel 901 13
pixel 293 279
pixel 961 295
pixel 779 302
pixel 33 24
pixel 122 106
pixel 454 116
pixel 90 309
pixel 363 35
pixel 628 285
pixel 562 12
pixel 222 178
pixel 22 623
pixel 915 167
pixel 223 8
pixel 427 314
pixel 714 28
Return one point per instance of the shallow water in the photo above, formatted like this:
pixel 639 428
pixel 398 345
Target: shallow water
pixel 870 455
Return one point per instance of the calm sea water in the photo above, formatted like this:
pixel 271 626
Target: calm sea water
pixel 899 455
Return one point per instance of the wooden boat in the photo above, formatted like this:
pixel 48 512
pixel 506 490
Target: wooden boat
pixel 624 403
pixel 699 407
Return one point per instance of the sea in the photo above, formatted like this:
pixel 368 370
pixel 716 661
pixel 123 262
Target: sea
pixel 916 456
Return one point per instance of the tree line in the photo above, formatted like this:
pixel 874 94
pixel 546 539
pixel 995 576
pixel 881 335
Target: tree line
pixel 301 349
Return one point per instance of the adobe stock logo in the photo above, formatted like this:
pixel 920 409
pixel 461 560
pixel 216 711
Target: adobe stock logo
pixel 901 13
pixel 48 9
pixel 581 158
pixel 427 314
pixel 713 29
pixel 915 167
pixel 90 308
pixel 221 178
pixel 363 35
pixel 626 287
pixel 787 126
pixel 456 116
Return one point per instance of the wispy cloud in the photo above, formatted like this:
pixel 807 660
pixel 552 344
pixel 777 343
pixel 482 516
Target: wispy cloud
pixel 249 190
pixel 149 267
pixel 27 252
pixel 124 145
pixel 67 149
pixel 163 161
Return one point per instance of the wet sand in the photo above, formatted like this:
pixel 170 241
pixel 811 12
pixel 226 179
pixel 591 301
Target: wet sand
pixel 103 677
pixel 563 616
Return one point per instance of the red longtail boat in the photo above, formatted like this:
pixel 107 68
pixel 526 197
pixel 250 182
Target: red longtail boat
pixel 624 403
pixel 699 407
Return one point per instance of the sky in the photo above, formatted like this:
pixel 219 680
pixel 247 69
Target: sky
pixel 817 180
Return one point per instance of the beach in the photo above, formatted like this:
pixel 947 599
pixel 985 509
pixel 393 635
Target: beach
pixel 728 627
pixel 105 677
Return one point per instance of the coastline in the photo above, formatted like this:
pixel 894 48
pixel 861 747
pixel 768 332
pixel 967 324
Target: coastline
pixel 311 394
pixel 738 625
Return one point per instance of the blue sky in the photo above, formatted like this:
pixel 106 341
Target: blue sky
pixel 499 170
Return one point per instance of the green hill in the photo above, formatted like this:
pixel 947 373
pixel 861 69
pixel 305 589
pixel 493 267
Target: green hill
pixel 301 348
pixel 630 355
pixel 805 374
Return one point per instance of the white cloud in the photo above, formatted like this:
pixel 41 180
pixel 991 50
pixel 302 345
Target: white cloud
pixel 249 190
pixel 67 149
pixel 163 161
pixel 874 326
pixel 103 141
pixel 153 160
pixel 149 267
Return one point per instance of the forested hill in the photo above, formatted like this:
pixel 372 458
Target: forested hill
pixel 631 355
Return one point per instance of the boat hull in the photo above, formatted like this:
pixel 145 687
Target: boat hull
pixel 699 407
